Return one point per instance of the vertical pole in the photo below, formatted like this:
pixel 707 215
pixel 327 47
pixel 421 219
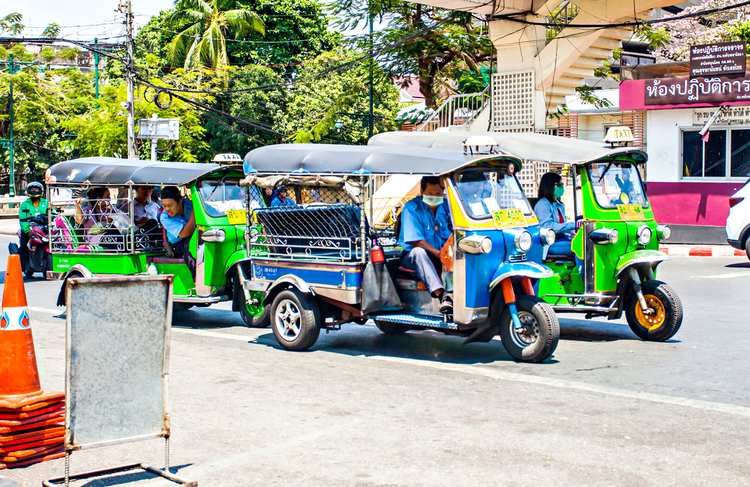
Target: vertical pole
pixel 154 141
pixel 372 64
pixel 12 181
pixel 96 68
pixel 132 153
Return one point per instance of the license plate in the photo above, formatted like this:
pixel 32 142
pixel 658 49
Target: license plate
pixel 237 217
pixel 511 217
pixel 630 212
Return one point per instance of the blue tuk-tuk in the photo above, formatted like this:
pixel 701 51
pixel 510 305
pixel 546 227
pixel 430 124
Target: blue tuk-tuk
pixel 330 255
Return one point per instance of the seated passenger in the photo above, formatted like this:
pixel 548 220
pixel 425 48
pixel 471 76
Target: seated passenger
pixel 425 228
pixel 97 217
pixel 178 221
pixel 550 210
pixel 282 198
pixel 146 212
pixel 268 194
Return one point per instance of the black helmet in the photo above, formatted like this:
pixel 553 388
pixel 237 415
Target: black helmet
pixel 35 190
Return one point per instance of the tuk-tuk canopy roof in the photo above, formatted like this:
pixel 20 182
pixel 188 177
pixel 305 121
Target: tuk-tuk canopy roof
pixel 360 159
pixel 527 146
pixel 110 171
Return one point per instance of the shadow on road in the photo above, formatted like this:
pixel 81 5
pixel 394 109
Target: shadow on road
pixel 739 265
pixel 594 331
pixel 128 478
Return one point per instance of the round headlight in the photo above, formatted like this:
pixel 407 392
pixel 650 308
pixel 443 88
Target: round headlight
pixel 614 236
pixel 523 241
pixel 663 232
pixel 486 246
pixel 547 236
pixel 644 235
pixel 253 233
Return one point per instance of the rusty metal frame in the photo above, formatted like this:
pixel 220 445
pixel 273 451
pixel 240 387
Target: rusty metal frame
pixel 164 433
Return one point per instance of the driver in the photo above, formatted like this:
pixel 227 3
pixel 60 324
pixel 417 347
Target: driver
pixel 179 223
pixel 33 206
pixel 282 198
pixel 425 228
pixel 626 186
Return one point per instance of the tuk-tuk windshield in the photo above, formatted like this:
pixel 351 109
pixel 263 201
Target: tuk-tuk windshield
pixel 618 185
pixel 483 191
pixel 220 196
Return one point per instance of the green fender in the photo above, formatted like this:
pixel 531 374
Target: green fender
pixel 639 257
pixel 233 259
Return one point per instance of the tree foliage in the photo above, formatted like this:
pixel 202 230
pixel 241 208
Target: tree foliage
pixel 332 104
pixel 432 43
pixel 12 24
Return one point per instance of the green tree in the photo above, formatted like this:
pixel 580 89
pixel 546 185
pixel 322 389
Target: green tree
pixel 52 31
pixel 12 24
pixel 421 40
pixel 203 42
pixel 330 102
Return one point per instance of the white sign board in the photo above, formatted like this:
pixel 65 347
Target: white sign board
pixel 159 128
pixel 731 115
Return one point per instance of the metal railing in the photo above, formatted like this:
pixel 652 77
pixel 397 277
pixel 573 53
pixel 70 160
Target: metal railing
pixel 457 110
pixel 560 18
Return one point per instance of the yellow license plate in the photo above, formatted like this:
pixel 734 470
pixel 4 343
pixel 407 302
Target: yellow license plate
pixel 237 217
pixel 508 218
pixel 630 212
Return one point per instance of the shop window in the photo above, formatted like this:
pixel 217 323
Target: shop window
pixel 715 155
pixel 692 155
pixel 740 153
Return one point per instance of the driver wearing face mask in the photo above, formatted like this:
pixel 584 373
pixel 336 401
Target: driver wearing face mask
pixel 425 228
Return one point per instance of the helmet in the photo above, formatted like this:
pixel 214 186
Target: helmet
pixel 35 189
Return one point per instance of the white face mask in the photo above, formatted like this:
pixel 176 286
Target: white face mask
pixel 432 200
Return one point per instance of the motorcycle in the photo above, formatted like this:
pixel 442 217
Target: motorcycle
pixel 40 259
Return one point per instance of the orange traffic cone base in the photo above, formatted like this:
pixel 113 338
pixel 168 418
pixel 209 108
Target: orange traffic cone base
pixel 30 402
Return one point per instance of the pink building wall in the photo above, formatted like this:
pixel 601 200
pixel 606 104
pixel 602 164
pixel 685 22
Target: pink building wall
pixel 691 203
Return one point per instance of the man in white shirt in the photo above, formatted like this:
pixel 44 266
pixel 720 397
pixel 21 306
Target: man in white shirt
pixel 143 208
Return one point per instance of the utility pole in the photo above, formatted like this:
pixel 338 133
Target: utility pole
pixel 372 62
pixel 96 67
pixel 154 117
pixel 129 74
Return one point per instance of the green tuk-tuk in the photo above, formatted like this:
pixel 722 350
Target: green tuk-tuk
pixel 93 230
pixel 618 240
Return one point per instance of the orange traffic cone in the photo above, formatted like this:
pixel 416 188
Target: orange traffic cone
pixel 30 418
pixel 19 377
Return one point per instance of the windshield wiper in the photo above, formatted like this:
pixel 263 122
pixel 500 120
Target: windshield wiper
pixel 217 186
pixel 606 169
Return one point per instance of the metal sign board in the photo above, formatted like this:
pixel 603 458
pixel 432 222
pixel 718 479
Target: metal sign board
pixel 159 128
pixel 117 360
pixel 721 59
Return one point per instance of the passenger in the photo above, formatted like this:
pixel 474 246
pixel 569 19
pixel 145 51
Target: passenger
pixel 425 228
pixel 155 195
pixel 268 194
pixel 179 223
pixel 550 210
pixel 282 198
pixel 146 212
pixel 96 219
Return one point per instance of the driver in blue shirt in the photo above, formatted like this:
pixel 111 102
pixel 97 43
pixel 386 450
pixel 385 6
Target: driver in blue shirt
pixel 282 198
pixel 178 220
pixel 425 227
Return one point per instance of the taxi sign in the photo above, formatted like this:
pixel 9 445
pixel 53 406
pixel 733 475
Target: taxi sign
pixel 227 159
pixel 630 212
pixel 508 218
pixel 237 217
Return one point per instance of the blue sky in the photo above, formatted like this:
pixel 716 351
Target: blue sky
pixel 80 19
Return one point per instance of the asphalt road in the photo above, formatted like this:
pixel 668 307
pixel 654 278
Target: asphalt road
pixel 369 410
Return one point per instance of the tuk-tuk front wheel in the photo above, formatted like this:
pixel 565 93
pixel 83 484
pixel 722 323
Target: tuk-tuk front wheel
pixel 250 316
pixel 295 320
pixel 537 339
pixel 665 316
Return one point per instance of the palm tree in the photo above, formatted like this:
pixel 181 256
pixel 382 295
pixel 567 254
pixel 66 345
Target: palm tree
pixel 203 43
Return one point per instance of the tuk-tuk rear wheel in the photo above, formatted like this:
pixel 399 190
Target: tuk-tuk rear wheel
pixel 392 328
pixel 295 320
pixel 541 330
pixel 666 316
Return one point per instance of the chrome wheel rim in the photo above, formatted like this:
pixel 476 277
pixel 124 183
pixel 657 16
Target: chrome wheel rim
pixel 288 320
pixel 529 334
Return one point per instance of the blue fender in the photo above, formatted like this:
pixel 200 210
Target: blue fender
pixel 522 269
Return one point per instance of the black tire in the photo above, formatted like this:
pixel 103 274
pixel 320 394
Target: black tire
pixel 29 273
pixel 668 312
pixel 262 321
pixel 747 247
pixel 295 320
pixel 541 330
pixel 392 328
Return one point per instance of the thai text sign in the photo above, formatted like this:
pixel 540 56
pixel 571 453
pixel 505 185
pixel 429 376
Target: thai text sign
pixel 731 115
pixel 718 59
pixel 716 89
pixel 508 218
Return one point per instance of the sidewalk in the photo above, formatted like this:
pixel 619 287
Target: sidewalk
pixel 8 226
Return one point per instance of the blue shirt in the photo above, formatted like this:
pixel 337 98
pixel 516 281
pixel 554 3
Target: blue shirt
pixel 287 202
pixel 549 215
pixel 174 224
pixel 418 223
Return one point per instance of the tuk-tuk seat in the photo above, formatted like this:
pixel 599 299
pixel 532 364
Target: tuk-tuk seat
pixel 165 260
pixel 69 238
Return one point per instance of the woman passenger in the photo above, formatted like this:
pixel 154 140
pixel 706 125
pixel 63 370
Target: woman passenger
pixel 551 213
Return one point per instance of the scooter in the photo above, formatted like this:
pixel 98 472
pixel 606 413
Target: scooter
pixel 40 259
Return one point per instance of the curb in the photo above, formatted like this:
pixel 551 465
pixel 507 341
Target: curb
pixel 715 251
